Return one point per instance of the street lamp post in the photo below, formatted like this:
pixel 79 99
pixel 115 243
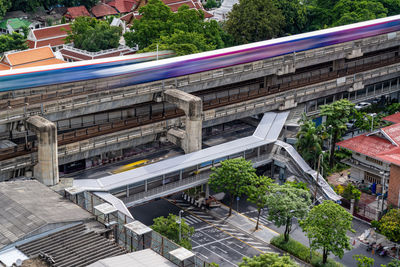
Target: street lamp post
pixel 318 167
pixel 372 124
pixel 180 225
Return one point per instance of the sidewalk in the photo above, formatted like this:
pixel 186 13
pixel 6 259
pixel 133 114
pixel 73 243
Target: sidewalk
pixel 244 223
pixel 265 234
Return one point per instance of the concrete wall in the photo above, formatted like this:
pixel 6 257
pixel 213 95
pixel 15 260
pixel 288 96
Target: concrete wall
pixel 394 186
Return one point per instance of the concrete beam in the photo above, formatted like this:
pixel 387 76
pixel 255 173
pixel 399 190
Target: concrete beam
pixel 46 171
pixel 193 107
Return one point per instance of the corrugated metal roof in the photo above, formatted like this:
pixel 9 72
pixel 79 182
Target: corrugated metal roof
pixel 74 246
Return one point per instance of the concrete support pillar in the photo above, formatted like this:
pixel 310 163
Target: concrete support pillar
pixel 352 206
pixel 46 171
pixel 193 107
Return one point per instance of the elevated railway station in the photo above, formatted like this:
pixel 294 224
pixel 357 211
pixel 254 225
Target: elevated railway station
pixel 99 117
pixel 183 172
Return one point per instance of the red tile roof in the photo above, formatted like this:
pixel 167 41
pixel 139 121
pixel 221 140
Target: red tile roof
pixel 383 144
pixel 77 11
pixel 175 7
pixel 52 36
pixel 51 32
pixel 123 6
pixel 102 10
pixel 395 118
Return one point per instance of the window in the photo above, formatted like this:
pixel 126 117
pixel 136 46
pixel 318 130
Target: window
pixel 372 178
pixel 374 160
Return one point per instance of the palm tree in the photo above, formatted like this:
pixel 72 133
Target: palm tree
pixel 309 140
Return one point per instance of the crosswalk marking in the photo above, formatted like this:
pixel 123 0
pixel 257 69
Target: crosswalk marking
pixel 190 219
pixel 197 216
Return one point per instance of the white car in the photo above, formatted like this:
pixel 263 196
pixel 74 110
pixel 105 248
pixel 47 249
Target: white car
pixel 362 105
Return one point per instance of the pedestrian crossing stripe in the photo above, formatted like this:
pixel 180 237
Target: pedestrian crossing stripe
pixel 192 220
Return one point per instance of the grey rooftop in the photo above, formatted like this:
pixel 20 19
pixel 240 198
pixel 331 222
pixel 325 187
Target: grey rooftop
pixel 142 258
pixel 29 208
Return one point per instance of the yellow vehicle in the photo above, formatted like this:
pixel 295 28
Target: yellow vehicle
pixel 131 166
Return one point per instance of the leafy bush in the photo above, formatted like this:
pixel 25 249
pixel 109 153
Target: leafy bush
pixel 351 192
pixel 302 252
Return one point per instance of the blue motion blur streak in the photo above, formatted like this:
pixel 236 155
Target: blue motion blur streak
pixel 164 69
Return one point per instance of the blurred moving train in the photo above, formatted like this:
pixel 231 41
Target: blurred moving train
pixel 189 64
pixel 131 166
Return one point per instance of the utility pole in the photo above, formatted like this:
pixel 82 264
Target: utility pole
pixel 316 184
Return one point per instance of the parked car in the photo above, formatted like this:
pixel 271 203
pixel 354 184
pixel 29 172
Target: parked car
pixel 362 105
pixel 350 124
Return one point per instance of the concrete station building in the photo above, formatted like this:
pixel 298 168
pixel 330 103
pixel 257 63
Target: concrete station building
pixel 98 121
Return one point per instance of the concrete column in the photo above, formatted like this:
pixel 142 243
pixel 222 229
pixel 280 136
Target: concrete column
pixel 46 171
pixel 352 206
pixel 193 108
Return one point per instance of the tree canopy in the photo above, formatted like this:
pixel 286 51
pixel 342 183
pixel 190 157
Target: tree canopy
pixel 337 114
pixel 169 227
pixel 363 261
pixel 389 225
pixel 323 14
pixel 14 41
pixel 185 31
pixel 268 259
pixel 326 225
pixel 93 35
pixel 257 193
pixel 32 5
pixel 255 20
pixel 4 6
pixel 309 140
pixel 286 202
pixel 233 178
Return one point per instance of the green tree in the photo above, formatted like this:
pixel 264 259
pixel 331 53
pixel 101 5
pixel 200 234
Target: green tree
pixel 350 11
pixel 363 261
pixel 87 3
pixel 393 263
pixel 309 141
pixel 169 227
pixel 14 41
pixel 351 192
pixel 4 6
pixel 93 35
pixel 268 259
pixel 393 6
pixel 299 185
pixel 257 193
pixel 286 202
pixel 326 226
pixel 254 20
pixel 294 13
pixel 232 177
pixel 389 225
pixel 185 31
pixel 337 114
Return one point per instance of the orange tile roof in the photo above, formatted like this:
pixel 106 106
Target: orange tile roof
pixel 49 61
pixel 28 56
